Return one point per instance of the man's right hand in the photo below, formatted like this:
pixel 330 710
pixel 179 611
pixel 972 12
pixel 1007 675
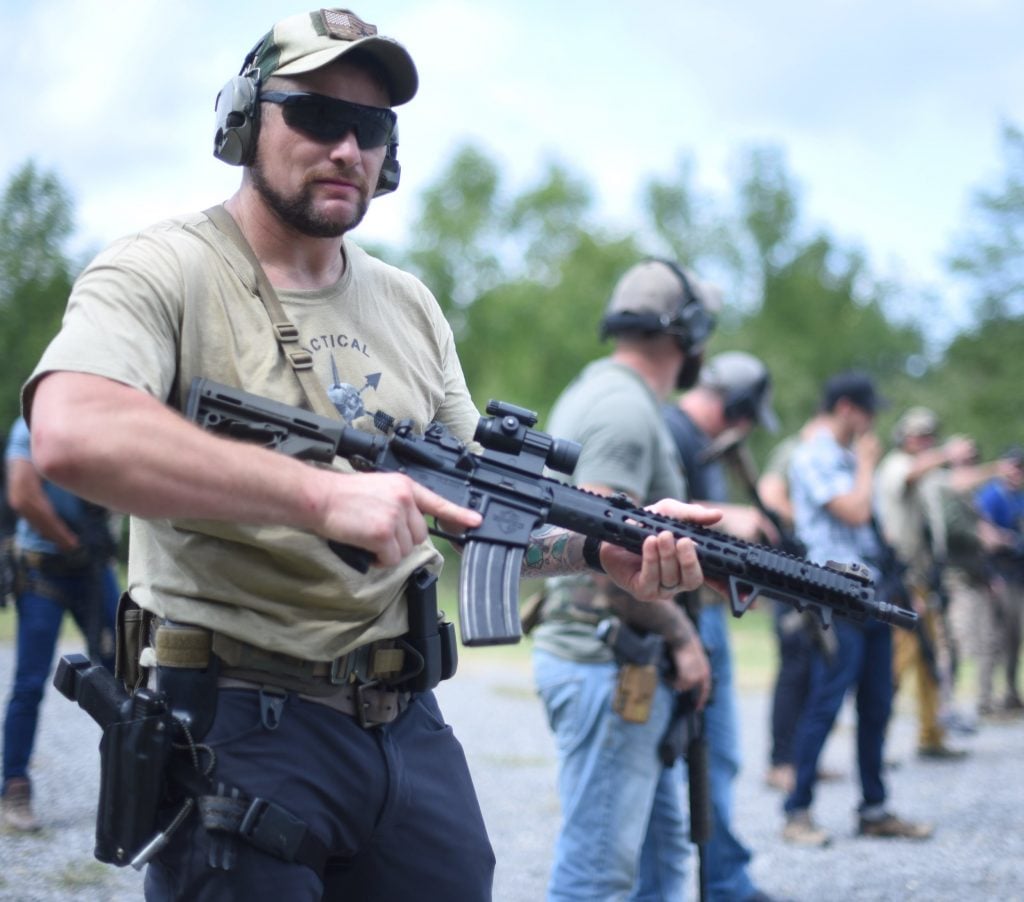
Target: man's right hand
pixel 692 670
pixel 383 513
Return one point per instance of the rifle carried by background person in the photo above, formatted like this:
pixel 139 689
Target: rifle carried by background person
pixel 507 485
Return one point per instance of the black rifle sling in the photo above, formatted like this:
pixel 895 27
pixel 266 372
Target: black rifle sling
pixel 287 335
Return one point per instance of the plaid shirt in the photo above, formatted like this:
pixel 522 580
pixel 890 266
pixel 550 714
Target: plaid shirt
pixel 821 470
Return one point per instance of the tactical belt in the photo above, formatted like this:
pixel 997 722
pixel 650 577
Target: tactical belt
pixel 361 683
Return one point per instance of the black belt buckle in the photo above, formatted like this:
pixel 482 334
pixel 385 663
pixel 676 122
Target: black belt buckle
pixel 362 705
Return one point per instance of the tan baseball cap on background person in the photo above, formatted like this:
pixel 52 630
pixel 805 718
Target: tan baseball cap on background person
pixel 916 421
pixel 654 287
pixel 308 41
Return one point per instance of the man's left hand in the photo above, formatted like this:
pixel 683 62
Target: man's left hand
pixel 666 565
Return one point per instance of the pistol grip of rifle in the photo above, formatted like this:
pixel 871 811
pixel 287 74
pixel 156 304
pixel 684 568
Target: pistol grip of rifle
pixel 357 558
pixel 489 593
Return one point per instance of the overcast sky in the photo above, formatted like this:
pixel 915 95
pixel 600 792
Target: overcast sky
pixel 889 111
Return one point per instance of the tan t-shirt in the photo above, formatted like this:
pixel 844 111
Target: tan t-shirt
pixel 179 300
pixel 900 512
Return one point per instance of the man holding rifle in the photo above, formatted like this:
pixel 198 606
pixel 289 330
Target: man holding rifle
pixel 323 766
pixel 732 396
pixel 598 658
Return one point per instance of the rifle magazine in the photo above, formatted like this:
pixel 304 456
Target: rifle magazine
pixel 489 593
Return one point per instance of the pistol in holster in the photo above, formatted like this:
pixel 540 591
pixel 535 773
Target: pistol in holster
pixel 142 775
pixel 639 656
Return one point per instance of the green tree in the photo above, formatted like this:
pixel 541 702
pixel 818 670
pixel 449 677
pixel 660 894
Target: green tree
pixel 990 255
pixel 36 222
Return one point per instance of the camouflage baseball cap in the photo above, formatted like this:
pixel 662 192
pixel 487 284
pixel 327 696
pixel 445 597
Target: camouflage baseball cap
pixel 308 41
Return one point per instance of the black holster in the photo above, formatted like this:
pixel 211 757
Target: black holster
pixel 134 756
pixel 135 751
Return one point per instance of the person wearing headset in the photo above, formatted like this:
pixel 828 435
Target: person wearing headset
pixel 596 651
pixel 325 768
pixel 733 395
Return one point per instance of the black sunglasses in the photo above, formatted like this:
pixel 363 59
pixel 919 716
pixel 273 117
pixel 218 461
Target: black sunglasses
pixel 329 119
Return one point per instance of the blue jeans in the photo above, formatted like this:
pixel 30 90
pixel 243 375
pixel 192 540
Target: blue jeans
pixel 624 832
pixel 38 625
pixel 395 805
pixel 864 659
pixel 725 857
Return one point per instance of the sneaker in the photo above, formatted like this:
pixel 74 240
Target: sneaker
pixel 800 830
pixel 16 805
pixel 781 777
pixel 956 722
pixel 940 752
pixel 888 826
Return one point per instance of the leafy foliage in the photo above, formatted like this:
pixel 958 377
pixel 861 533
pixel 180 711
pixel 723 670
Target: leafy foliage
pixel 35 275
pixel 524 278
pixel 991 253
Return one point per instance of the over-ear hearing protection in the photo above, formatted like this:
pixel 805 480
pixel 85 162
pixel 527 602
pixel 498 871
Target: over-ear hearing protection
pixel 237 110
pixel 691 324
pixel 744 403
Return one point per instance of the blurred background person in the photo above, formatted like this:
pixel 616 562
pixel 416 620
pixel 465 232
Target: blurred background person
pixel 1000 503
pixel 733 395
pixel 901 517
pixel 831 478
pixel 64 552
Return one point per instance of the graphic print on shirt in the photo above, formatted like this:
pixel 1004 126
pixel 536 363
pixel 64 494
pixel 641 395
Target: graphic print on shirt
pixel 347 399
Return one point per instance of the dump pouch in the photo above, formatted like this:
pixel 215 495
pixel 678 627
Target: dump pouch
pixel 134 755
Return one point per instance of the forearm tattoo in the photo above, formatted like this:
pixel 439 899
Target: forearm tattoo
pixel 553 551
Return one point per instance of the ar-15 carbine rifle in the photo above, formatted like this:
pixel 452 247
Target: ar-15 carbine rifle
pixel 505 483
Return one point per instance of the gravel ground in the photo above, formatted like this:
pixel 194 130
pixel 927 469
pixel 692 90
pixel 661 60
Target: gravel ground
pixel 977 852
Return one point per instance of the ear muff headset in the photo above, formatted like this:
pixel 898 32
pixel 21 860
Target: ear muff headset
pixel 691 324
pixel 237 109
pixel 745 403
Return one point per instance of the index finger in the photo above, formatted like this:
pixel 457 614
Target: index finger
pixel 434 505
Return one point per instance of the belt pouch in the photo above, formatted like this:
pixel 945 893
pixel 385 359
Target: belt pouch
pixel 187 674
pixel 134 755
pixel 424 636
pixel 132 625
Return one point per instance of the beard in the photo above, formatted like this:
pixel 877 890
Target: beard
pixel 298 211
pixel 689 371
